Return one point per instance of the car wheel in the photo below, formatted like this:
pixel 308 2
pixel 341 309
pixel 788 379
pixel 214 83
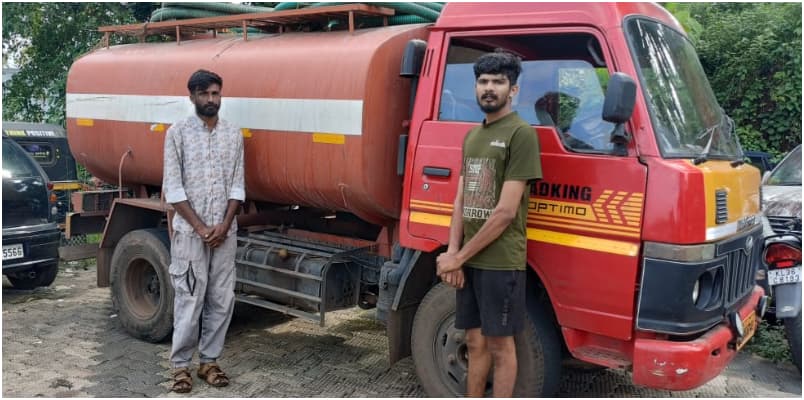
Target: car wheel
pixel 42 276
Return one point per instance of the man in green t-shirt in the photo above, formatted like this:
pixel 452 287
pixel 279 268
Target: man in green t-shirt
pixel 485 259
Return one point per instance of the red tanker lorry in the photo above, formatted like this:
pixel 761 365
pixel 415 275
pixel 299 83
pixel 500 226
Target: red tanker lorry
pixel 642 236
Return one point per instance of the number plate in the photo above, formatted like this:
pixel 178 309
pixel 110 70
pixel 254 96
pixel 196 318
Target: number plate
pixel 13 251
pixel 749 328
pixel 784 275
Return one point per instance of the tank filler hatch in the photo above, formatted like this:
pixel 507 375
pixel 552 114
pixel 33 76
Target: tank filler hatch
pixel 275 22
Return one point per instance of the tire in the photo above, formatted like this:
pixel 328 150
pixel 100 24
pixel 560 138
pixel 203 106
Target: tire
pixel 44 276
pixel 440 355
pixel 792 329
pixel 142 294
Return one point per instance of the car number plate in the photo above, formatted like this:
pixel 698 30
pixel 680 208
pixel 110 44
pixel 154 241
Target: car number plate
pixel 749 328
pixel 784 275
pixel 13 251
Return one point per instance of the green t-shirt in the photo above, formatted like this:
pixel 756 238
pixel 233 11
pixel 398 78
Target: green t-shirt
pixel 506 149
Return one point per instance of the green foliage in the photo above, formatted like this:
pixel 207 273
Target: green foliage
pixel 44 39
pixel 769 342
pixel 751 53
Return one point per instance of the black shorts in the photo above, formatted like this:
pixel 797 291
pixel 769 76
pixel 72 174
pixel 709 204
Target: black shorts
pixel 491 300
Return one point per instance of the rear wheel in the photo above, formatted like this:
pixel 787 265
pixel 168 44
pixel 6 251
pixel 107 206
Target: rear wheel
pixel 792 329
pixel 440 354
pixel 40 276
pixel 142 292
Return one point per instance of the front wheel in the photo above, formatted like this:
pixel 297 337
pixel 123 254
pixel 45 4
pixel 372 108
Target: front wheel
pixel 142 293
pixel 440 353
pixel 792 329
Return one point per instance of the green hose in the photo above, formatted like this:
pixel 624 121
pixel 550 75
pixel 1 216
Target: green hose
pixel 222 7
pixel 290 6
pixel 164 14
pixel 406 13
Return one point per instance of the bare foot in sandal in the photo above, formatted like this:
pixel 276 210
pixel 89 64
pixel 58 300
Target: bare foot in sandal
pixel 182 380
pixel 212 374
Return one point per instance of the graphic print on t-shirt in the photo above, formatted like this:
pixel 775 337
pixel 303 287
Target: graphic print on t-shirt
pixel 480 187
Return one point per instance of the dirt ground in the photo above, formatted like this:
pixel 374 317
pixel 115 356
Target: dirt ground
pixel 65 341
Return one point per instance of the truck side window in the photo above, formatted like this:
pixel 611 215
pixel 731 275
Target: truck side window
pixel 562 85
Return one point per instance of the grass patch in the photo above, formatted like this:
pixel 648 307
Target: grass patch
pixel 770 342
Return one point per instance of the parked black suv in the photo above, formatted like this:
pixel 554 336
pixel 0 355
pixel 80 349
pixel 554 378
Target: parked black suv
pixel 30 237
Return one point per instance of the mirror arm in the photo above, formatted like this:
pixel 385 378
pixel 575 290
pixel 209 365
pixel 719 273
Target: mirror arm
pixel 620 139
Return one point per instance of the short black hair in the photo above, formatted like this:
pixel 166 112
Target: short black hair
pixel 499 62
pixel 201 79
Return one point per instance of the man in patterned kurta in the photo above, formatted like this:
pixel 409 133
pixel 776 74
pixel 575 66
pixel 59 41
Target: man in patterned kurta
pixel 203 180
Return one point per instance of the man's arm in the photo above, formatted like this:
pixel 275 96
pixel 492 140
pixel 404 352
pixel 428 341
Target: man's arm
pixel 237 194
pixel 173 185
pixel 455 278
pixel 502 216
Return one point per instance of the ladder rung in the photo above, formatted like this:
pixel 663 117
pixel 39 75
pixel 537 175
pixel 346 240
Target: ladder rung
pixel 279 290
pixel 281 270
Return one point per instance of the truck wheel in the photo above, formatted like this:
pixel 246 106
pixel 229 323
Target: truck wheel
pixel 142 293
pixel 792 329
pixel 440 354
pixel 43 276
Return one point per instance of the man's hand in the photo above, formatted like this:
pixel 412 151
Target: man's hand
pixel 454 278
pixel 216 235
pixel 448 262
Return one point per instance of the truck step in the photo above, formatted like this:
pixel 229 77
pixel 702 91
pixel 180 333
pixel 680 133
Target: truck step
pixel 260 302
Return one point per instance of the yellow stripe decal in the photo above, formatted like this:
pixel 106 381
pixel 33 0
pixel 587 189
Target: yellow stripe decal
pixel 431 208
pixel 431 203
pixel 539 218
pixel 329 138
pixel 583 228
pixel 551 237
pixel 85 122
pixel 583 242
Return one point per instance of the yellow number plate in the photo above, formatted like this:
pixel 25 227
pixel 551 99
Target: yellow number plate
pixel 749 327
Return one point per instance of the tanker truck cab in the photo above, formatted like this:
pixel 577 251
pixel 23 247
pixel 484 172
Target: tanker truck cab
pixel 642 233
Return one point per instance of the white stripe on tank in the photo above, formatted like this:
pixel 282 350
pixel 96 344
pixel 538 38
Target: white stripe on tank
pixel 343 117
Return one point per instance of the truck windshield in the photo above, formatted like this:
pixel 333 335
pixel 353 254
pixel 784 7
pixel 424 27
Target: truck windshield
pixel 687 120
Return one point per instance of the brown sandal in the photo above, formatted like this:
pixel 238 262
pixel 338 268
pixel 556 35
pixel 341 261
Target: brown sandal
pixel 212 374
pixel 182 380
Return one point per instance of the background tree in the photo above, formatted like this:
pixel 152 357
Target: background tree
pixel 43 40
pixel 751 53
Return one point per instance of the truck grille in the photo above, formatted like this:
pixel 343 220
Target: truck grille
pixel 742 256
pixel 781 225
pixel 722 207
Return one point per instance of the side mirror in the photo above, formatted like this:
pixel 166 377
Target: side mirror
pixel 617 109
pixel 620 98
pixel 765 177
pixel 412 58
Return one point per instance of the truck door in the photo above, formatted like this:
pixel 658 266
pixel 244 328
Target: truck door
pixel 585 216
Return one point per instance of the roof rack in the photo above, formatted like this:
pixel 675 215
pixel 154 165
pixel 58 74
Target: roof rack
pixel 264 21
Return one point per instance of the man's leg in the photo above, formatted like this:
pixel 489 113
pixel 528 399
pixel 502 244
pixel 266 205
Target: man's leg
pixel 502 310
pixel 219 302
pixel 479 363
pixel 503 352
pixel 188 255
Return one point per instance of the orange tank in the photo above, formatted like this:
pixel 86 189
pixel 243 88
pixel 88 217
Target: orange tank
pixel 321 112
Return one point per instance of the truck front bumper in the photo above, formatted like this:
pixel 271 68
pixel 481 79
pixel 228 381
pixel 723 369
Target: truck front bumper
pixel 665 364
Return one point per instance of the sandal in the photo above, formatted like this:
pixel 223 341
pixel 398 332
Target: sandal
pixel 212 374
pixel 182 380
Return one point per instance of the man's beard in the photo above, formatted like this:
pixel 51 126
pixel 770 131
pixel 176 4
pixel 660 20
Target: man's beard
pixel 491 108
pixel 207 110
